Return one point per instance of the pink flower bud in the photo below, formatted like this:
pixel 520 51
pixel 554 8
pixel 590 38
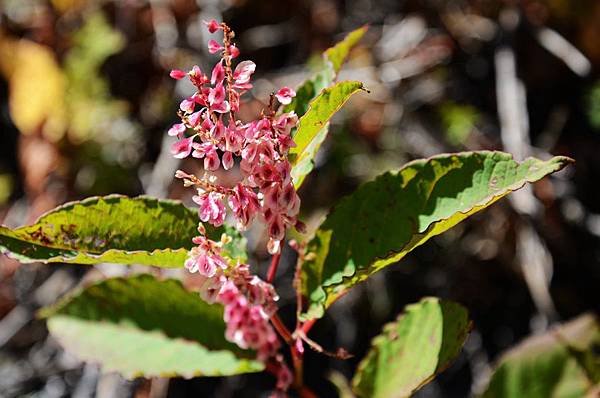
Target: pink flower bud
pixel 177 74
pixel 212 25
pixel 214 46
pixel 234 51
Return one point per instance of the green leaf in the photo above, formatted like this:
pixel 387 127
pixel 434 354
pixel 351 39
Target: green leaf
pixel 141 326
pixel 565 362
pixel 337 54
pixel 333 59
pixel 387 218
pixel 421 343
pixel 309 89
pixel 113 229
pixel 313 126
pixel 305 100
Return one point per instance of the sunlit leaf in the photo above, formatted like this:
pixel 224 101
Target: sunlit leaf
pixel 308 93
pixel 140 326
pixel 421 343
pixel 337 54
pixel 387 218
pixel 312 127
pixel 326 71
pixel 113 229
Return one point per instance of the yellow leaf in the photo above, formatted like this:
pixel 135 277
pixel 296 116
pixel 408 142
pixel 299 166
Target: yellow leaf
pixel 37 87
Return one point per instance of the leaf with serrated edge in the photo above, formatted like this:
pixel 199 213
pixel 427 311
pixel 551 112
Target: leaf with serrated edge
pixel 312 127
pixel 563 361
pixel 114 229
pixel 143 327
pixel 386 218
pixel 421 343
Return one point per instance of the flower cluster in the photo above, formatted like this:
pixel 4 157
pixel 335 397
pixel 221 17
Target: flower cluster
pixel 210 131
pixel 249 301
pixel 218 138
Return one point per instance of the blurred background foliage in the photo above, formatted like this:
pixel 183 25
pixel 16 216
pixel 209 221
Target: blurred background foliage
pixel 86 99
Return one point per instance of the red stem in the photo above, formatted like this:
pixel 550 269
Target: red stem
pixel 282 329
pixel 305 392
pixel 297 359
pixel 273 267
pixel 306 326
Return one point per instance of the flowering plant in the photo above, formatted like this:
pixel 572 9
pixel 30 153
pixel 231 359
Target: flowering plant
pixel 146 326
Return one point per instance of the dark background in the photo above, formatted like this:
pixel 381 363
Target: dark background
pixel 85 102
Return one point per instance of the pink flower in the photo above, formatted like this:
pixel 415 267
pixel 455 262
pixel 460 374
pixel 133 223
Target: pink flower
pixel 177 130
pixel 211 160
pixel 242 73
pixel 227 160
pixel 195 118
pixel 182 148
pixel 285 95
pixel 177 74
pixel 218 74
pixel 207 124
pixel 210 288
pixel 244 203
pixel 212 25
pixel 187 105
pixel 197 77
pixel 214 46
pixel 211 208
pixel 205 264
pixel 262 147
pixel 285 122
pixel 218 130
pixel 276 228
pixel 216 99
pixel 208 151
pixel 234 138
pixel 234 51
pixel 228 294
pixel 284 377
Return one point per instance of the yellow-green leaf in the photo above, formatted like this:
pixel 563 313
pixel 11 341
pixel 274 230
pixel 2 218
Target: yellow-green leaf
pixel 143 327
pixel 312 127
pixel 421 343
pixel 333 59
pixel 337 54
pixel 386 218
pixel 114 229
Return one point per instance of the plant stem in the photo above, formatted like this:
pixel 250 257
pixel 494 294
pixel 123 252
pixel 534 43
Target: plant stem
pixel 306 326
pixel 297 359
pixel 305 392
pixel 273 267
pixel 282 329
